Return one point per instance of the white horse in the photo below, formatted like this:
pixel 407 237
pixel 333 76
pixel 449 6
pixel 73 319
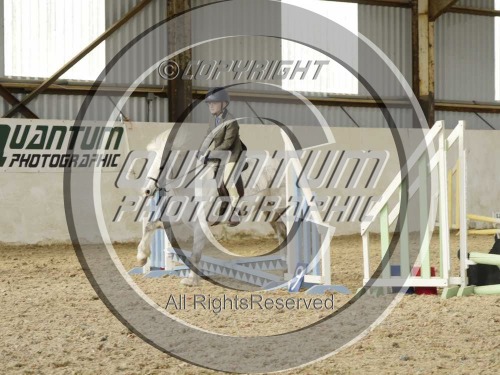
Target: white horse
pixel 261 188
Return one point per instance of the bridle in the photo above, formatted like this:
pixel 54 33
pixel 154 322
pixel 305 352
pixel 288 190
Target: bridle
pixel 165 188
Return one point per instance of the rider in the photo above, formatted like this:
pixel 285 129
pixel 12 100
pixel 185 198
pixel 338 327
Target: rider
pixel 223 134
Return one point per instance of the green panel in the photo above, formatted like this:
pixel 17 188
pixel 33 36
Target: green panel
pixel 424 218
pixel 466 291
pixel 404 241
pixel 450 292
pixel 384 241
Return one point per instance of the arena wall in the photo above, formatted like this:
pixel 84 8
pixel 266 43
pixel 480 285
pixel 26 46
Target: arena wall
pixel 35 211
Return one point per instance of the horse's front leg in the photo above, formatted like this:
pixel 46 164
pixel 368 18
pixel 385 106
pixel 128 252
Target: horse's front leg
pixel 279 227
pixel 144 248
pixel 198 243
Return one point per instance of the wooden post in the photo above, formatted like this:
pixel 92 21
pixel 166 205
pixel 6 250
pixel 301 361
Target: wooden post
pixel 424 14
pixel 423 58
pixel 179 91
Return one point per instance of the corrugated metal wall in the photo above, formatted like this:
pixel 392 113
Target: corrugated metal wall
pixel 241 48
pixel 464 54
pixel 390 30
pixel 148 17
pixel 480 121
pixel 465 58
pixel 296 114
pixel 484 4
pixel 2 33
pixel 293 114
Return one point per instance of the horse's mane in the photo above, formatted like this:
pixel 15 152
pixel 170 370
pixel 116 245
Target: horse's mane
pixel 158 143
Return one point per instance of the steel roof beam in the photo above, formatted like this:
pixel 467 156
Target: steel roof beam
pixel 32 95
pixel 475 11
pixel 345 101
pixel 12 100
pixel 439 7
pixel 386 3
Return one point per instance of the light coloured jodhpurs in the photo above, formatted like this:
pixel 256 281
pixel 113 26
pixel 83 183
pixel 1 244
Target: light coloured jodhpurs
pixel 231 186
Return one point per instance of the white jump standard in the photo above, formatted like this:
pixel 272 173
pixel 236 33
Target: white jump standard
pixel 436 170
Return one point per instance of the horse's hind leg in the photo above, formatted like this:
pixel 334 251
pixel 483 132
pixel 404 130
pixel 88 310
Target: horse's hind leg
pixel 279 227
pixel 144 248
pixel 198 243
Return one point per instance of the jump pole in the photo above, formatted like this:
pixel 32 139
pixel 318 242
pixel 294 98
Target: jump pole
pixel 482 258
pixel 487 290
pixel 485 219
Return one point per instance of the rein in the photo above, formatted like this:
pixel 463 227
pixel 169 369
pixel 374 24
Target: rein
pixel 165 188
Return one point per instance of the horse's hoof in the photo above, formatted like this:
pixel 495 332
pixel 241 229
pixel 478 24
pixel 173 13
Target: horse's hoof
pixel 141 261
pixel 187 282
